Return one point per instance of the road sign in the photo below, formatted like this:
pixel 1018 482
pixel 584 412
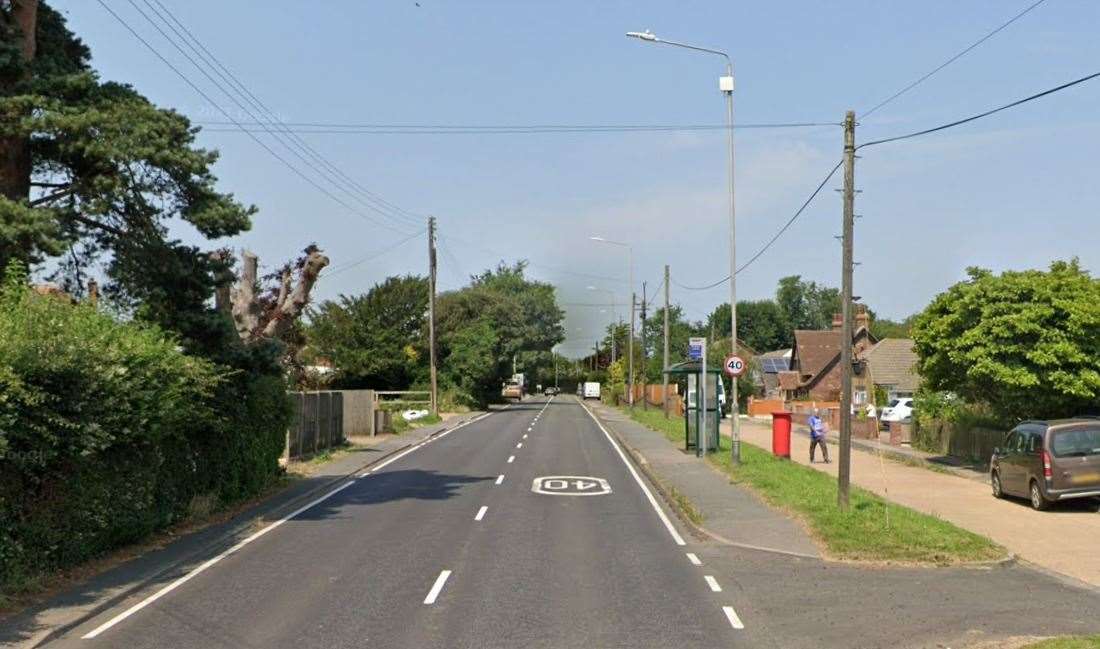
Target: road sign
pixel 570 485
pixel 735 366
pixel 695 348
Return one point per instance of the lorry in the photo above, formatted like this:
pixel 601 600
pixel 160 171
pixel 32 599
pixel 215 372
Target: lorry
pixel 591 390
pixel 512 390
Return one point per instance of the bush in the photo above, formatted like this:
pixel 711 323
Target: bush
pixel 108 431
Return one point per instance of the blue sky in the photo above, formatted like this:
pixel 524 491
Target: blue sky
pixel 1013 191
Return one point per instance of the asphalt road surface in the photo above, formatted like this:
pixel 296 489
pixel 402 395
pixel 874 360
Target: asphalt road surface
pixel 529 527
pixel 454 544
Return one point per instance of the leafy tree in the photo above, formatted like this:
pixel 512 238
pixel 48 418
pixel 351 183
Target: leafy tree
pixel 1027 343
pixel 92 167
pixel 886 328
pixel 807 305
pixel 761 324
pixel 368 337
pixel 679 330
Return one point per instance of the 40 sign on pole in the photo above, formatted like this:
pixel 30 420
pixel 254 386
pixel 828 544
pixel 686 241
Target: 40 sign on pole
pixel 735 366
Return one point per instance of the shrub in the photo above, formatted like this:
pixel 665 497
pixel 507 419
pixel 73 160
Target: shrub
pixel 108 431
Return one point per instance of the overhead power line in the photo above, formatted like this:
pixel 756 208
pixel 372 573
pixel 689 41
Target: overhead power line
pixel 987 113
pixel 951 60
pixel 222 110
pixel 774 238
pixel 271 119
pixel 374 255
pixel 467 129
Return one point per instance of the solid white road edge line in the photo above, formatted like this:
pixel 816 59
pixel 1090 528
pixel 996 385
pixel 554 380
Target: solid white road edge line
pixel 694 559
pixel 713 583
pixel 500 478
pixel 438 586
pixel 511 458
pixel 245 541
pixel 481 513
pixel 731 615
pixel 637 478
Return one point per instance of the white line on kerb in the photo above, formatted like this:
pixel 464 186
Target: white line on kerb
pixel 481 513
pixel 248 539
pixel 648 494
pixel 500 478
pixel 438 586
pixel 713 583
pixel 511 458
pixel 731 615
pixel 694 559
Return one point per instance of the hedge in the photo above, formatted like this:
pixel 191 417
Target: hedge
pixel 108 432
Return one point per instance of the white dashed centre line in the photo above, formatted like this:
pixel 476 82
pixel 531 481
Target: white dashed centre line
pixel 520 445
pixel 500 478
pixel 438 586
pixel 713 583
pixel 731 615
pixel 525 436
pixel 511 458
pixel 481 515
pixel 694 559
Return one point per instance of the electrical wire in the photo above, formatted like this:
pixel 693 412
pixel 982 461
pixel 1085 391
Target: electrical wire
pixel 226 114
pixel 374 255
pixel 444 129
pixel 951 60
pixel 232 80
pixel 774 238
pixel 987 113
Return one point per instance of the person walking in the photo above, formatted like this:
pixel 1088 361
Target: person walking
pixel 817 436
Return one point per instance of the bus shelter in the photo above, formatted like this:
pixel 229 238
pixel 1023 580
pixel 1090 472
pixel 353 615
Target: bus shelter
pixel 694 412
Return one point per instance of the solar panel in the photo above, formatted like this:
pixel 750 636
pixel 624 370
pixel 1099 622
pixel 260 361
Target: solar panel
pixel 774 365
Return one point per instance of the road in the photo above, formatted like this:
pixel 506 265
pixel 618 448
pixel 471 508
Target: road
pixel 449 545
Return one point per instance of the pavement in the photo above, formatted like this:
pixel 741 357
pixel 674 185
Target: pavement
pixel 532 526
pixel 1063 540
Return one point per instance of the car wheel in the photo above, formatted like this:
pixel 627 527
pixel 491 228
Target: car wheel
pixel 1038 500
pixel 995 480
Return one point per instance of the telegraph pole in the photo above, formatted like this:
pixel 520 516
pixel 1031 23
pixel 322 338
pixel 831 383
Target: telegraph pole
pixel 431 312
pixel 845 467
pixel 630 350
pixel 664 375
pixel 645 354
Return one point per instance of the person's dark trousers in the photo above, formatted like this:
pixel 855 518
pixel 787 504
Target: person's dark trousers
pixel 814 442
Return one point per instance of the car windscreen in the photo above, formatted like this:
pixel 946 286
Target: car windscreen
pixel 893 403
pixel 1076 442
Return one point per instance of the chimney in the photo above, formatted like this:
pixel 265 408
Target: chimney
pixel 838 321
pixel 863 319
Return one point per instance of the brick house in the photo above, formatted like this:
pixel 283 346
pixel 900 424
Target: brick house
pixel 815 363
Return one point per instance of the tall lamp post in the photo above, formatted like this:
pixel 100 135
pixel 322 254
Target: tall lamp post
pixel 725 85
pixel 630 341
pixel 614 315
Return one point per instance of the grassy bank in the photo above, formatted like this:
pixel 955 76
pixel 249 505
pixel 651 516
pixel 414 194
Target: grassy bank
pixel 872 530
pixel 401 426
pixel 1080 642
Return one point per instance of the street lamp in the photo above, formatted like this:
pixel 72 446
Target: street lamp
pixel 630 342
pixel 725 85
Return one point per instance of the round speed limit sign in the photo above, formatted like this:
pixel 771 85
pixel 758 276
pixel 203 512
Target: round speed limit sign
pixel 735 366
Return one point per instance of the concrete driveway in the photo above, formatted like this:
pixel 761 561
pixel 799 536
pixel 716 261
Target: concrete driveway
pixel 1064 540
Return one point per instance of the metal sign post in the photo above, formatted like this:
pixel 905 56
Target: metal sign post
pixel 697 350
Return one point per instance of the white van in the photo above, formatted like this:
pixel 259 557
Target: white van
pixel 591 390
pixel 721 398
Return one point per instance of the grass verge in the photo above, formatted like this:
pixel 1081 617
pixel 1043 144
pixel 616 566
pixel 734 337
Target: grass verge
pixel 402 426
pixel 1076 642
pixel 873 529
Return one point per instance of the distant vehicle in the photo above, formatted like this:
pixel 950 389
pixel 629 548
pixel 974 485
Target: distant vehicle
pixel 580 389
pixel 591 390
pixel 899 410
pixel 512 391
pixel 551 390
pixel 1048 461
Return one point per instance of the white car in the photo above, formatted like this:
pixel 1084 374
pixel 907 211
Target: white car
pixel 899 410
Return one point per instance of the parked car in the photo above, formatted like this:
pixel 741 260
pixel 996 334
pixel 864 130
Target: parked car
pixel 1048 461
pixel 550 391
pixel 899 410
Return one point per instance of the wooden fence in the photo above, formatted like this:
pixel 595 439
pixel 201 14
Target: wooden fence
pixel 318 423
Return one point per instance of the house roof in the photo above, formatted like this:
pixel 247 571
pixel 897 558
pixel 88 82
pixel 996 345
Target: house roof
pixel 815 349
pixel 789 380
pixel 892 362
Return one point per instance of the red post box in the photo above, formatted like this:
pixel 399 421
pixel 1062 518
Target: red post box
pixel 781 434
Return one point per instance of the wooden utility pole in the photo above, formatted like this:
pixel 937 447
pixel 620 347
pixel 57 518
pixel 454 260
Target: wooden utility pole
pixel 431 312
pixel 664 374
pixel 630 350
pixel 845 468
pixel 645 354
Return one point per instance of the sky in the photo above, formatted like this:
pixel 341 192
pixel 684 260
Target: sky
pixel 1014 191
